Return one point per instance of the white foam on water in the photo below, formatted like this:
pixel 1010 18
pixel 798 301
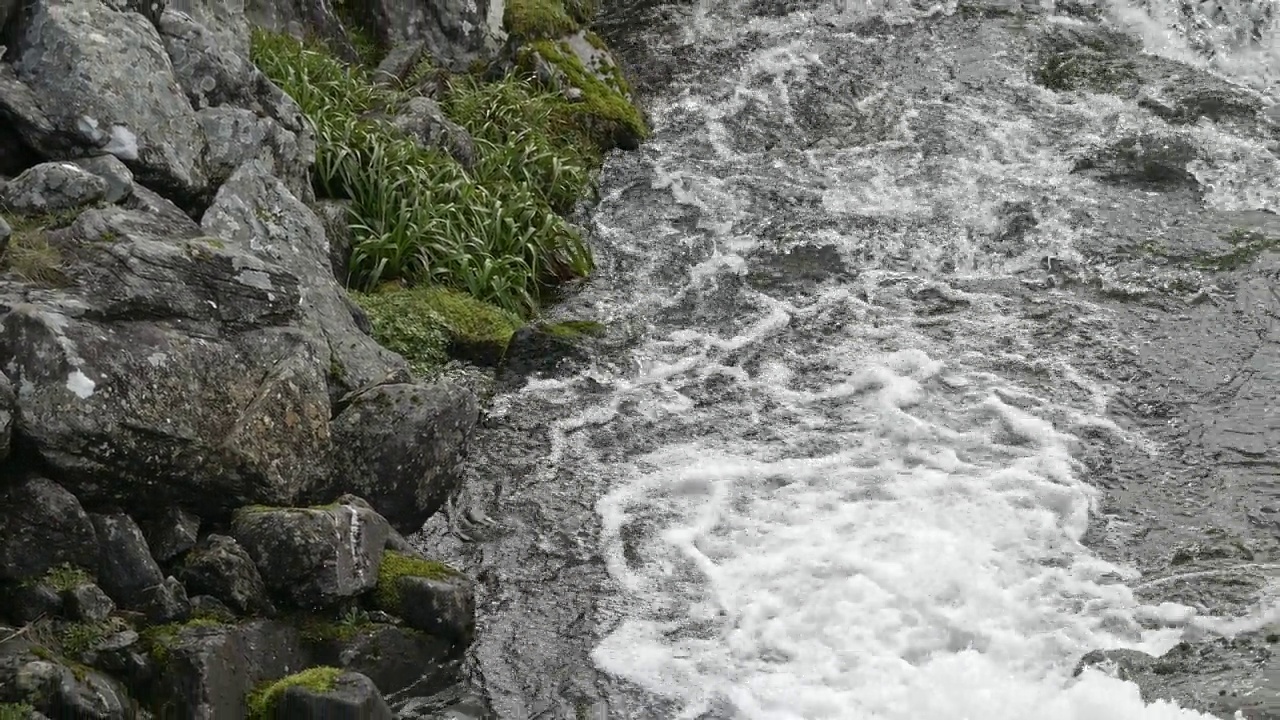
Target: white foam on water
pixel 869 522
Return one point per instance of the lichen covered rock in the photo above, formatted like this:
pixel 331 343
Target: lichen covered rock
pixel 314 556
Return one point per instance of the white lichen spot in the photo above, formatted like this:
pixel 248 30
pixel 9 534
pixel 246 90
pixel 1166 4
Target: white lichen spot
pixel 80 384
pixel 123 143
pixel 157 359
pixel 88 127
pixel 255 278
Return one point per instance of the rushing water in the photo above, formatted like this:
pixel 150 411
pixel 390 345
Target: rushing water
pixel 829 466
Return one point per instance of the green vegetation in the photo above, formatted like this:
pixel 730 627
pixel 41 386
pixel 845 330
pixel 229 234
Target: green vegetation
pixel 64 577
pixel 15 711
pixel 397 565
pixel 78 638
pixel 492 231
pixel 532 19
pixel 317 628
pixel 573 329
pixel 604 99
pixel 1246 246
pixel 1087 68
pixel 160 639
pixel 262 700
pixel 29 254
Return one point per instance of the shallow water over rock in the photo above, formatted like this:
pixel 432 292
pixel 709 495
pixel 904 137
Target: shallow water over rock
pixel 943 350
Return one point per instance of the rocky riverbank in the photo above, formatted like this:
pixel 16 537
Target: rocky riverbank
pixel 247 256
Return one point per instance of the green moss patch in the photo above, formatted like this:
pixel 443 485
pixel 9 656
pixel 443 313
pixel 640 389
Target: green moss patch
pixel 402 325
pixel 532 19
pixel 605 92
pixel 573 329
pixel 398 565
pixel 1087 69
pixel 262 701
pixel 427 324
pixel 160 639
pixel 78 638
pixel 493 230
pixel 1246 247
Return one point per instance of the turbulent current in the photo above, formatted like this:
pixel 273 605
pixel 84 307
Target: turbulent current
pixel 876 432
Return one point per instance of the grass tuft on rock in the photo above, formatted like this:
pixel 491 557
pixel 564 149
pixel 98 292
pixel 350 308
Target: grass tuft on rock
pixel 262 700
pixel 64 577
pixel 398 565
pixel 30 255
pixel 418 216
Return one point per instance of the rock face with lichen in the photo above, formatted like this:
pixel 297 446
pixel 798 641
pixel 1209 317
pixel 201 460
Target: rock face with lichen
pixel 206 459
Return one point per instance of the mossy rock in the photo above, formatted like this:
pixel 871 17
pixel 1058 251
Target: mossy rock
pixel 605 109
pixel 1093 59
pixel 430 323
pixel 1245 247
pixel 535 19
pixel 65 577
pixel 160 639
pixel 396 566
pixel 262 701
pixel 30 255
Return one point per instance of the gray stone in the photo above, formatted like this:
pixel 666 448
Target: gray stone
pixel 456 32
pixel 167 602
pixel 397 658
pixel 256 212
pixel 52 187
pixel 422 119
pixel 117 175
pixel 399 63
pixel 352 697
pixel 209 670
pixel 29 601
pixel 126 569
pixel 219 567
pixel 401 446
pixel 335 215
pixel 441 606
pixel 42 526
pixel 87 602
pixel 236 136
pixel 1157 161
pixel 103 78
pixel 314 556
pixel 224 18
pixel 172 533
pixel 28 675
pixel 8 406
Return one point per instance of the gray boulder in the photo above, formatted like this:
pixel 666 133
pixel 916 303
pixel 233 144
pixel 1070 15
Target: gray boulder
pixel 401 446
pixel 314 556
pixel 8 405
pixel 126 570
pixel 395 657
pixel 441 606
pixel 224 18
pixel 87 603
pixel 422 119
pixel 52 187
pixel 456 32
pixel 212 393
pixel 219 567
pixel 117 175
pixel 102 77
pixel 254 211
pixel 236 136
pixel 173 532
pixel 352 697
pixel 42 526
pixel 29 675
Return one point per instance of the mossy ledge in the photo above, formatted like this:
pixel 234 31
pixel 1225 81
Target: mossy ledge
pixel 398 565
pixel 262 701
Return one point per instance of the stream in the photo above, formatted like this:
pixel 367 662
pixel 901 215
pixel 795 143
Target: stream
pixel 921 380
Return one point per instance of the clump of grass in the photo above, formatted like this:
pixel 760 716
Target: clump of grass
pixel 30 255
pixel 262 700
pixel 64 577
pixel 417 214
pixel 398 565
